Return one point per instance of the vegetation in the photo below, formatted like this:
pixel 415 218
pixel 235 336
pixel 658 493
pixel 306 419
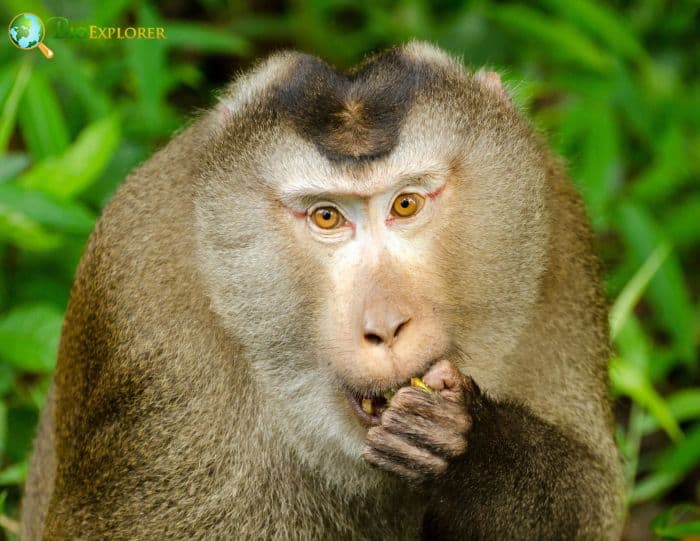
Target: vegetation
pixel 614 86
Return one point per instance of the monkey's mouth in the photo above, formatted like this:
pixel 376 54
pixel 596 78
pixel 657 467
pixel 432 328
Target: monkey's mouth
pixel 369 409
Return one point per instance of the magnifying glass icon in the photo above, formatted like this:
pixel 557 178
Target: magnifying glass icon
pixel 27 31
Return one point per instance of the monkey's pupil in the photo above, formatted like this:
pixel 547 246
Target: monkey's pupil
pixel 405 202
pixel 326 215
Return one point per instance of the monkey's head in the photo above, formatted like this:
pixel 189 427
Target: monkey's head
pixel 354 229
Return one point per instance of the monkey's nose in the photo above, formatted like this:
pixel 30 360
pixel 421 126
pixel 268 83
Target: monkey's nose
pixel 384 328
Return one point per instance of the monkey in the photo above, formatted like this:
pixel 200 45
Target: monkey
pixel 253 303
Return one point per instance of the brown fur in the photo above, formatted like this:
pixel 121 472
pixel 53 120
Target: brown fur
pixel 353 134
pixel 196 391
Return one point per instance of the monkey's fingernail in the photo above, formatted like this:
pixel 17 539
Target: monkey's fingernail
pixel 420 384
pixel 367 406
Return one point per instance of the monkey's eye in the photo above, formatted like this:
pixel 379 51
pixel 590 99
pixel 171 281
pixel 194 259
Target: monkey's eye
pixel 407 204
pixel 327 217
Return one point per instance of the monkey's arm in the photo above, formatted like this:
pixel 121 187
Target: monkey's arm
pixel 519 478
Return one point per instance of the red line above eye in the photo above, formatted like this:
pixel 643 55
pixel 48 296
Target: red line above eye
pixel 437 192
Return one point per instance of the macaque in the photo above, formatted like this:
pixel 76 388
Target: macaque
pixel 357 305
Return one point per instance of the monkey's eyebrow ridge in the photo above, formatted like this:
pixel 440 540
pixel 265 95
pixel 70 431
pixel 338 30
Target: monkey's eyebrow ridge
pixel 306 198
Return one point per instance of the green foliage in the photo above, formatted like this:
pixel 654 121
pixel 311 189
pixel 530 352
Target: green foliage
pixel 677 522
pixel 614 85
pixel 29 338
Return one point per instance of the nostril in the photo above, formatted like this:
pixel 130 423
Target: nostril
pixel 400 327
pixel 373 339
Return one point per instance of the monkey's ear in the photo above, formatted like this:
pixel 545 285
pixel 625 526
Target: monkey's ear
pixel 492 82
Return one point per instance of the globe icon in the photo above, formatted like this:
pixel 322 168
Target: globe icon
pixel 26 31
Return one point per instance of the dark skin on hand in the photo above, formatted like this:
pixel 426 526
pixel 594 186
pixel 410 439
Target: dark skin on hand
pixel 421 430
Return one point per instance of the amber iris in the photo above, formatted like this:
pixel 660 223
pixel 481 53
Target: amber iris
pixel 326 217
pixel 407 204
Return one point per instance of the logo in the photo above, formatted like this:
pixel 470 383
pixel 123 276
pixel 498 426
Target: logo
pixel 62 28
pixel 27 32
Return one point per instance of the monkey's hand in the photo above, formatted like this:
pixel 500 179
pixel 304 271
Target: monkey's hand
pixel 421 431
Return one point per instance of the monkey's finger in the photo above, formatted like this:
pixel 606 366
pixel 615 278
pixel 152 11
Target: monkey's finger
pixel 398 450
pixel 426 433
pixel 434 406
pixel 430 412
pixel 378 460
pixel 443 375
pixel 451 384
pixel 447 414
pixel 411 399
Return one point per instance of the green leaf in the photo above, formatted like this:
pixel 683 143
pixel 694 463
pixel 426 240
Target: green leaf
pixel 663 359
pixel 29 337
pixel 21 423
pixel 41 283
pixel 630 295
pixel 598 170
pixel 599 20
pixel 38 392
pixel 555 36
pixel 3 426
pixel 65 216
pixel 41 120
pixel 669 170
pixel 633 344
pixel 684 405
pixel 106 13
pixel 668 291
pixel 255 25
pixel 679 530
pixel 11 104
pixel 69 174
pixel 84 82
pixel 17 228
pixel 680 222
pixel 8 76
pixel 7 378
pixel 205 38
pixel 147 61
pixel 672 466
pixel 12 164
pixel 14 474
pixel 32 6
pixel 628 379
pixel 677 521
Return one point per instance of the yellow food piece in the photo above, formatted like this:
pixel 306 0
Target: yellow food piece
pixel 420 384
pixel 367 406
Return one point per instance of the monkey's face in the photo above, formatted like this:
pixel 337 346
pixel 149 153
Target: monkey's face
pixel 355 230
pixel 370 238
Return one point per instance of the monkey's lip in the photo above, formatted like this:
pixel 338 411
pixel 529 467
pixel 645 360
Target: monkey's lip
pixel 380 399
pixel 379 404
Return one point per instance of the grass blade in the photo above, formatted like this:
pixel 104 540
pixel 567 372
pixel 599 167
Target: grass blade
pixel 630 295
pixel 9 109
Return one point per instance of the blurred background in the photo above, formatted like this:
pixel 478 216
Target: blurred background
pixel 614 86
